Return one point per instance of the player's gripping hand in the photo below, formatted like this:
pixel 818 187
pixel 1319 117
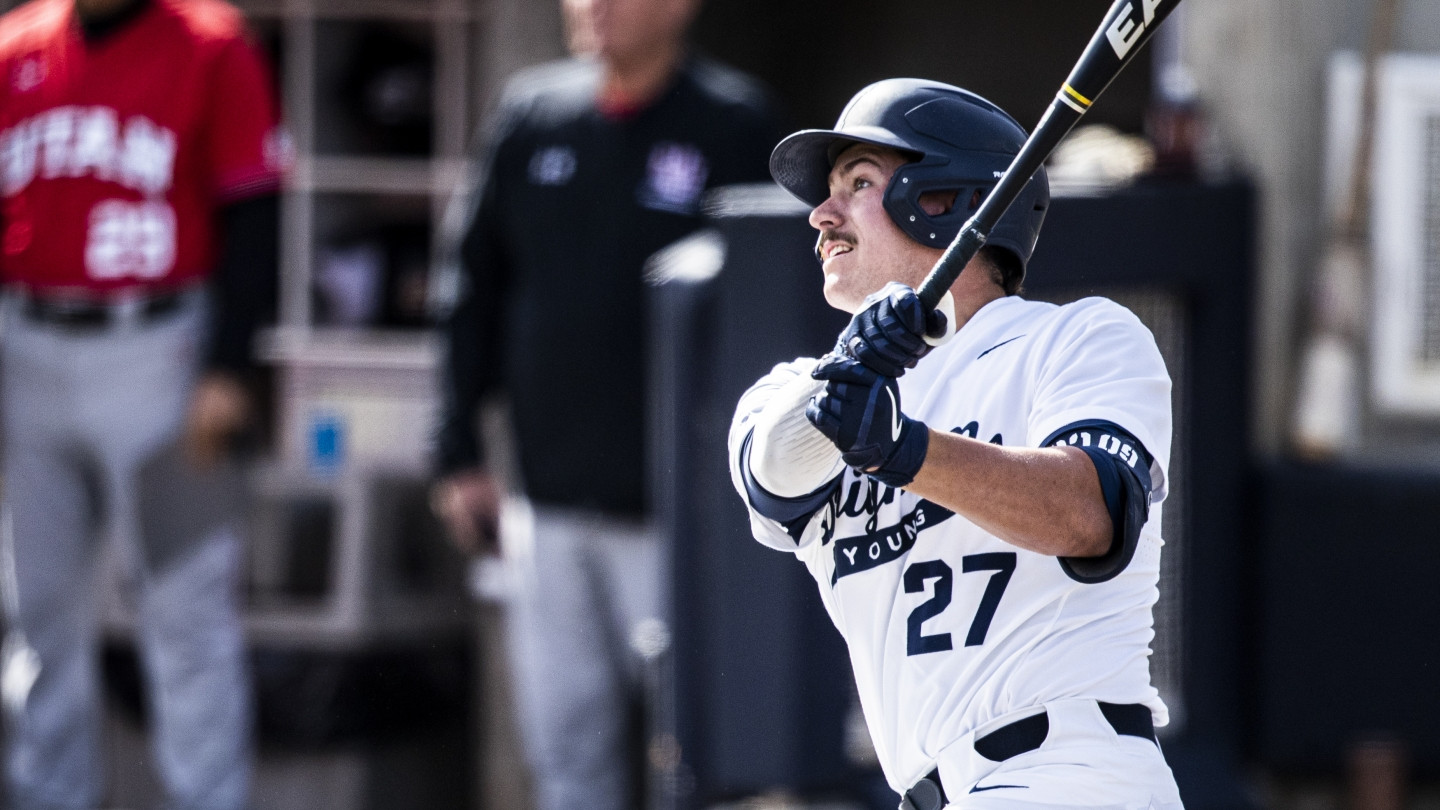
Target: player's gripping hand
pixel 888 334
pixel 859 411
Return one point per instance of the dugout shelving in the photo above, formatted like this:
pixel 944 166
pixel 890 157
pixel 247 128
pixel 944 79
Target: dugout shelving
pixel 380 98
pixel 365 194
pixel 345 181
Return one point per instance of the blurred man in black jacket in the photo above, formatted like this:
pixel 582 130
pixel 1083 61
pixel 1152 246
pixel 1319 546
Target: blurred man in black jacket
pixel 591 165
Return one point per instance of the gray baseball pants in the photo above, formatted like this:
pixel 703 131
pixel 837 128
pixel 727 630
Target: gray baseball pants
pixel 87 414
pixel 583 581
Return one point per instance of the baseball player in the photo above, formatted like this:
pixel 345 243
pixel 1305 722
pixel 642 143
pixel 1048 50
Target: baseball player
pixel 983 523
pixel 139 168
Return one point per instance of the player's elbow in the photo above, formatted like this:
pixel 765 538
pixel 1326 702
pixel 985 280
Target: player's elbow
pixel 1090 534
pixel 1076 531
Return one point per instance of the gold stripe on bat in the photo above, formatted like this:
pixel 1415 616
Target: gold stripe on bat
pixel 1068 103
pixel 1070 91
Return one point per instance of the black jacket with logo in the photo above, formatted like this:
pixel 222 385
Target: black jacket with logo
pixel 571 203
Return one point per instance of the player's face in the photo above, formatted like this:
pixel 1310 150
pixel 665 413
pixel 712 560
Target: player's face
pixel 623 31
pixel 861 248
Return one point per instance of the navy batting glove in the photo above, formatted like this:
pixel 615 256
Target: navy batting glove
pixel 888 334
pixel 859 411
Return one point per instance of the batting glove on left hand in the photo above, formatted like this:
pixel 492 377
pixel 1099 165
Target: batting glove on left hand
pixel 888 334
pixel 859 411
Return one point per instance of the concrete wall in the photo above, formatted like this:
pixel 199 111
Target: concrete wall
pixel 516 33
pixel 1261 65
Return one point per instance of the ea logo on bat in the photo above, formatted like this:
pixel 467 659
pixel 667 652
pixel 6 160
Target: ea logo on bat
pixel 1123 33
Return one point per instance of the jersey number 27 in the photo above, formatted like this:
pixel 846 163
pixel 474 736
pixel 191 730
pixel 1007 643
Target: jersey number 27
pixel 1001 562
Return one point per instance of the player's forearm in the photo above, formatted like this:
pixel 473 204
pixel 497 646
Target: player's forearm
pixel 1047 500
pixel 244 287
pixel 466 374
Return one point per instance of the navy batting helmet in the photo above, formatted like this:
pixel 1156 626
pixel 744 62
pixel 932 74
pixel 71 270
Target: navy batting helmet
pixel 957 141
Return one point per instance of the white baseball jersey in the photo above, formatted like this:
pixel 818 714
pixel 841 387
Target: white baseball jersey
pixel 948 626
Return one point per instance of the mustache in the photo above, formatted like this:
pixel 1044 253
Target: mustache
pixel 832 235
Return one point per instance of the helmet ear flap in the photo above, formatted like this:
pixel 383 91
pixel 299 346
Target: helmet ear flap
pixel 909 184
pixel 1015 233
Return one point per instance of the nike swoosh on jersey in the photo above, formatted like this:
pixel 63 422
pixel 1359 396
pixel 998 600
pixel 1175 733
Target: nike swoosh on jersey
pixel 978 789
pixel 894 416
pixel 997 345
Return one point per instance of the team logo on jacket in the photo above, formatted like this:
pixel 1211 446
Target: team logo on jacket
pixel 675 177
pixel 553 165
pixel 28 73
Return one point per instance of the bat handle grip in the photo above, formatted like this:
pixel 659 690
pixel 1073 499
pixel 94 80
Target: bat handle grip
pixel 951 263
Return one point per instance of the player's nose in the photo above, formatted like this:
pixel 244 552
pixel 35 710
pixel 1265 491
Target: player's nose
pixel 826 215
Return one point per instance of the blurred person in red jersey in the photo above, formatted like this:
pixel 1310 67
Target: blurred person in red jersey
pixel 141 160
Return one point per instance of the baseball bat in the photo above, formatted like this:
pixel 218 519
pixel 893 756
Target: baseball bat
pixel 1126 28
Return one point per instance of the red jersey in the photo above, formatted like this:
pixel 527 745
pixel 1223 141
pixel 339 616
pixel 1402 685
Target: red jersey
pixel 114 154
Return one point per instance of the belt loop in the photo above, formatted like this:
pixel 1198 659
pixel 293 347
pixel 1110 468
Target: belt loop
pixel 126 312
pixel 1131 719
pixel 1015 738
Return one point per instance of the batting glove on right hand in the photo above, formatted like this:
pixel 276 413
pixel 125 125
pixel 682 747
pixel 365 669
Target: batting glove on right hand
pixel 888 334
pixel 859 411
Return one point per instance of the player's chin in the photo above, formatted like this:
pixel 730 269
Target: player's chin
pixel 839 294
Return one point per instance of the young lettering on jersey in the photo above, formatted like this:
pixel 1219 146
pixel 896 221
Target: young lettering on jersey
pixel 128 157
pixel 948 626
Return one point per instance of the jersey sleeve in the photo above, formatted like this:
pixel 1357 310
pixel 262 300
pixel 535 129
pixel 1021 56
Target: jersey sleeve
pixel 246 149
pixel 471 321
pixel 804 529
pixel 1102 365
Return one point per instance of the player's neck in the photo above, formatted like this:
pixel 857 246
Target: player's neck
pixel 636 81
pixel 103 9
pixel 100 17
pixel 971 292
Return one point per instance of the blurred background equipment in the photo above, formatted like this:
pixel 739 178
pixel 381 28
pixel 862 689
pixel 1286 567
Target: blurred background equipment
pixel 1096 158
pixel 385 82
pixel 1328 407
pixel 1405 238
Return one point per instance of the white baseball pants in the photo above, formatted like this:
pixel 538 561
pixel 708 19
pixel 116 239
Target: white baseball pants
pixel 1083 763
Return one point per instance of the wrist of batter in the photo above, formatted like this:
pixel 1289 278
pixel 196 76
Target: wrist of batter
pixel 908 455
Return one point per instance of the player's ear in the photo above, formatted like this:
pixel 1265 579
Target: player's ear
pixel 937 203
